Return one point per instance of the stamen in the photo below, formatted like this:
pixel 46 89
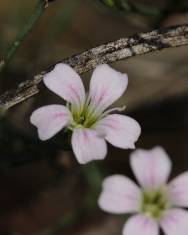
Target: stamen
pixel 155 203
pixel 119 109
pixel 87 101
pixel 89 113
pixel 92 111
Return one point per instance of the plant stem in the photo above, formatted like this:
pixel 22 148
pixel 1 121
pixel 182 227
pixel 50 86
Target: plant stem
pixel 10 51
pixel 94 178
pixel 127 6
pixel 145 10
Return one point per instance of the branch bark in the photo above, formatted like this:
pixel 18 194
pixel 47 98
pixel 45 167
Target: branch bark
pixel 123 48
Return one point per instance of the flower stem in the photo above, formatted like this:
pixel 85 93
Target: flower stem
pixel 93 177
pixel 10 51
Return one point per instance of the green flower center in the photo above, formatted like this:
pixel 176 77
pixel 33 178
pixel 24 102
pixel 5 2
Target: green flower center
pixel 85 117
pixel 83 120
pixel 154 203
pixel 89 114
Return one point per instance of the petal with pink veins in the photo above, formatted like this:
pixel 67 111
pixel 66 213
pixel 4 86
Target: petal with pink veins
pixel 66 83
pixel 106 86
pixel 88 145
pixel 178 190
pixel 151 167
pixel 50 120
pixel 141 225
pixel 175 222
pixel 121 131
pixel 119 195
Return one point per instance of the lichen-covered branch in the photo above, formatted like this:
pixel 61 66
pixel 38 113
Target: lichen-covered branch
pixel 123 48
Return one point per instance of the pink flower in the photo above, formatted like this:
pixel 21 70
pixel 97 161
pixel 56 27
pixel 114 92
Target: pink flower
pixel 156 204
pixel 85 114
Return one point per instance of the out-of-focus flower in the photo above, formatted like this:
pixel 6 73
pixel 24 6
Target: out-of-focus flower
pixel 86 115
pixel 156 204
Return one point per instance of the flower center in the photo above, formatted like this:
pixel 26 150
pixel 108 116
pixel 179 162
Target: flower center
pixel 89 113
pixel 86 116
pixel 83 121
pixel 155 203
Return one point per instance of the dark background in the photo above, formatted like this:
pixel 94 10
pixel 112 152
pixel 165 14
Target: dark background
pixel 43 190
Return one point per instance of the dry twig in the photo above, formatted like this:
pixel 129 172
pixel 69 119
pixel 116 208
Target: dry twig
pixel 123 48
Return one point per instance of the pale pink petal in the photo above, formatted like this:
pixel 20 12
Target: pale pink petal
pixel 151 167
pixel 106 86
pixel 175 222
pixel 119 195
pixel 87 145
pixel 178 190
pixel 50 119
pixel 121 131
pixel 141 225
pixel 66 83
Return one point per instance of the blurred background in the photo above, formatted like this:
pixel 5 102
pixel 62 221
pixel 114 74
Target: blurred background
pixel 43 190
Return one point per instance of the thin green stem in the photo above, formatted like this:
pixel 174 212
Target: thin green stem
pixel 109 3
pixel 10 51
pixel 146 10
pixel 126 5
pixel 94 178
